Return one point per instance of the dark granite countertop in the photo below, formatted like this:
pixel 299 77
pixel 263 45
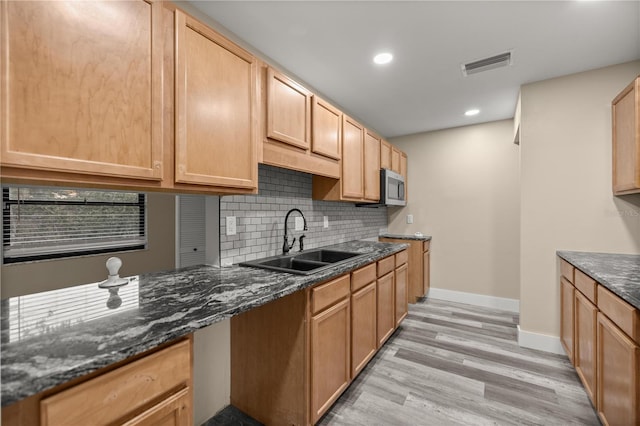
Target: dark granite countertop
pixel 407 237
pixel 52 337
pixel 619 273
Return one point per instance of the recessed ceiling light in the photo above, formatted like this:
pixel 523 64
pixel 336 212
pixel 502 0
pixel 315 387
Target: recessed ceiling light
pixel 471 112
pixel 382 58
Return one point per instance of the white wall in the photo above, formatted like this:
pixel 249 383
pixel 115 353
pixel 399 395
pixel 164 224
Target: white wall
pixel 211 370
pixel 566 197
pixel 464 191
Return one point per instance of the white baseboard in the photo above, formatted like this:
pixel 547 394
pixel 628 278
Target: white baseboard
pixel 502 303
pixel 542 342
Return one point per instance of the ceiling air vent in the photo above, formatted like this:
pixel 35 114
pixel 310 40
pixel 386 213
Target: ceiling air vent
pixel 486 64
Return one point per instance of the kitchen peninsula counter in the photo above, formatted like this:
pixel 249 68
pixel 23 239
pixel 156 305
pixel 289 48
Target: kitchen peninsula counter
pixel 53 337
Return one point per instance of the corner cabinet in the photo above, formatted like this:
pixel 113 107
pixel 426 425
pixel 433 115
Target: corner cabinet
pixel 418 263
pixel 625 110
pixel 82 95
pixel 216 109
pixel 312 344
pixel 155 388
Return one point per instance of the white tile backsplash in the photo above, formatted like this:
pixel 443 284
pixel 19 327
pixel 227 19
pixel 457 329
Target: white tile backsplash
pixel 260 218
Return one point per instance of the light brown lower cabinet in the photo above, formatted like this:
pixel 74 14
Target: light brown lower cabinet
pixel 618 375
pixel 426 269
pixel 401 287
pixel 602 331
pixel 567 304
pixel 293 357
pixel 363 321
pixel 155 389
pixel 418 266
pixel 385 307
pixel 330 357
pixel 585 343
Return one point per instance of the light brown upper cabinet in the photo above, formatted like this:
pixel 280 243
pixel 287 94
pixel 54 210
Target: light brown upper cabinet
pixel 82 89
pixel 371 166
pixel 396 155
pixel 352 159
pixel 360 171
pixel 404 173
pixel 288 110
pixel 385 155
pixel 216 109
pixel 300 131
pixel 625 109
pixel 327 129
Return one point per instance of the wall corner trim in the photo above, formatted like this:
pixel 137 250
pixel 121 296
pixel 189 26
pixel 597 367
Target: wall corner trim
pixel 503 303
pixel 542 342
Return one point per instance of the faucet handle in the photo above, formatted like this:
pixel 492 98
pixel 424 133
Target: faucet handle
pixel 302 237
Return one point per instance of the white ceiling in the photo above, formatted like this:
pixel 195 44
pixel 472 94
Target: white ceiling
pixel 330 45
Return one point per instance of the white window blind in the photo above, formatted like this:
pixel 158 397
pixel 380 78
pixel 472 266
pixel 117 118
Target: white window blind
pixel 45 223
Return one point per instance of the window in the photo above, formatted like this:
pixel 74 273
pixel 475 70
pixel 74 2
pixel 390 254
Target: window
pixel 49 223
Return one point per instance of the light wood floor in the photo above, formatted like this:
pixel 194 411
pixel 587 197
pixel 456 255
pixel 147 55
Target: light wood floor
pixel 456 364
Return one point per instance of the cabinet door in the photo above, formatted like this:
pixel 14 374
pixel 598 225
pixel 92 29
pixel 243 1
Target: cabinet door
pixel 401 293
pixel 395 159
pixel 327 129
pixel 567 303
pixel 618 375
pixel 288 110
pixel 330 357
pixel 83 87
pixel 385 155
pixel 403 172
pixel 386 304
pixel 363 327
pixel 174 410
pixel 108 398
pixel 585 343
pixel 371 166
pixel 626 140
pixel 426 273
pixel 352 159
pixel 216 120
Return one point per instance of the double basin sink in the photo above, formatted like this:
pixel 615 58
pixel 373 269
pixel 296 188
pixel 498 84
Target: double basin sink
pixel 303 263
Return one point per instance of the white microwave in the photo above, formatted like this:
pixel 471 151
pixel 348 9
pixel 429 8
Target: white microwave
pixel 392 190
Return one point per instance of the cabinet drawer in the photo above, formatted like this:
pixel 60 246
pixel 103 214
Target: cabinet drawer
pixel 586 285
pixel 108 398
pixel 625 316
pixel 327 294
pixel 426 245
pixel 386 265
pixel 566 269
pixel 402 257
pixel 363 276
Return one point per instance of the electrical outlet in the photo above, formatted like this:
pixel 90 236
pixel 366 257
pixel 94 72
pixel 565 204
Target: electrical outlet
pixel 409 218
pixel 325 220
pixel 299 224
pixel 231 225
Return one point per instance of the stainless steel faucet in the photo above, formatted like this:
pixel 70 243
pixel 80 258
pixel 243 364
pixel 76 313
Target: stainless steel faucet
pixel 285 246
